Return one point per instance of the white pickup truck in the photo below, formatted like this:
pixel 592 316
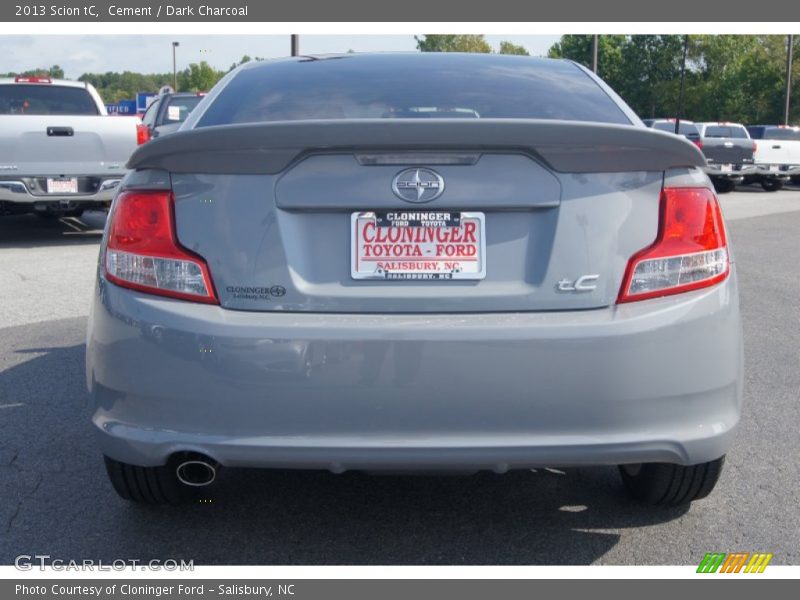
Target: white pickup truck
pixel 778 149
pixel 60 153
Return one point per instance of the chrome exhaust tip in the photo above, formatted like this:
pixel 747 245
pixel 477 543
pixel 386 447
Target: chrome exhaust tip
pixel 197 472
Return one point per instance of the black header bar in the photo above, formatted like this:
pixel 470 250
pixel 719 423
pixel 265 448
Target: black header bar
pixel 423 11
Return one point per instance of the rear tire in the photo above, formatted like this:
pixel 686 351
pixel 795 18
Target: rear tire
pixel 146 485
pixel 771 185
pixel 664 484
pixel 723 186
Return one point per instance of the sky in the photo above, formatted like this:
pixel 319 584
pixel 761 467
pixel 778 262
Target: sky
pixel 78 54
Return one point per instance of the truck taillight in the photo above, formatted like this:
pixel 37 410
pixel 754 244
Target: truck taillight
pixel 690 250
pixel 143 252
pixel 699 143
pixel 755 147
pixel 29 79
pixel 142 134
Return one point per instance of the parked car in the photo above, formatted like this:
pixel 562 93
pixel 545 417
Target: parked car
pixel 60 154
pixel 685 128
pixel 166 114
pixel 778 151
pixel 497 267
pixel 729 157
pixel 729 154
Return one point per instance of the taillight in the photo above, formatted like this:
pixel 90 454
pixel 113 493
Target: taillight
pixel 28 79
pixel 699 143
pixel 690 251
pixel 142 134
pixel 143 252
pixel 755 147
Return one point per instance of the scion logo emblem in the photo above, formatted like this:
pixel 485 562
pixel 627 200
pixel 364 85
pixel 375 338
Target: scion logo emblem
pixel 418 185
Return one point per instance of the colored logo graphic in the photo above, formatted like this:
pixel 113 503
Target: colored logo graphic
pixel 737 562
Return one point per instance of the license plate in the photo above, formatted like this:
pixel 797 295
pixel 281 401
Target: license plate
pixel 774 168
pixel 65 185
pixel 418 245
pixel 726 168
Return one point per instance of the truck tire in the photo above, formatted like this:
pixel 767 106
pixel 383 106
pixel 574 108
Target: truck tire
pixel 771 185
pixel 663 484
pixel 146 485
pixel 723 186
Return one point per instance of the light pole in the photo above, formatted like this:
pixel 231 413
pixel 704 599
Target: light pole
pixel 680 89
pixel 788 78
pixel 174 67
pixel 595 42
pixel 295 45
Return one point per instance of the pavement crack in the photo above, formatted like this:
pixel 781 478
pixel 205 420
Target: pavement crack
pixel 14 516
pixel 30 494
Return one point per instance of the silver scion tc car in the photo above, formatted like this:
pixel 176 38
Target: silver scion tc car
pixel 415 262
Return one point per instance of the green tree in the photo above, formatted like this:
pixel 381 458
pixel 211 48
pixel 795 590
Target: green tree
pixel 245 59
pixel 453 43
pixel 198 77
pixel 650 73
pixel 579 49
pixel 728 77
pixel 55 72
pixel 509 48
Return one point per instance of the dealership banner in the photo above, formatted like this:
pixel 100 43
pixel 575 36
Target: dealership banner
pixel 407 589
pixel 423 11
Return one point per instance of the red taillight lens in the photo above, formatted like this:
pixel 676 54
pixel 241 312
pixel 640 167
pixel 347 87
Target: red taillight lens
pixel 27 79
pixel 690 251
pixel 755 147
pixel 142 134
pixel 699 143
pixel 143 252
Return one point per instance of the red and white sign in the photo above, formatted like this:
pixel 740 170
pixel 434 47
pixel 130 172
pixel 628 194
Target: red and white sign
pixel 418 245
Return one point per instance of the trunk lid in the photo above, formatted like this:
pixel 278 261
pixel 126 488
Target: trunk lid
pixel 270 207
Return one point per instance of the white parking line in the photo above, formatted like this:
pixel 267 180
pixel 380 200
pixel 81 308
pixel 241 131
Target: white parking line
pixel 11 405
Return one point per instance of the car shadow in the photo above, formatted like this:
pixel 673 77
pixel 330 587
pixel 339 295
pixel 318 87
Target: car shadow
pixel 755 188
pixel 30 231
pixel 57 497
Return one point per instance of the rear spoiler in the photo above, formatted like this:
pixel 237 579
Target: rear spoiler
pixel 564 146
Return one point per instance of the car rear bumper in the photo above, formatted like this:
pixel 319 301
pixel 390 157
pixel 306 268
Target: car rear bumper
pixel 655 381
pixel 737 172
pixel 777 171
pixel 17 191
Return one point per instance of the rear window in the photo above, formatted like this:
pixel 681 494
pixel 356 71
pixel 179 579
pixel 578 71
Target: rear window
pixel 45 99
pixel 687 129
pixel 781 133
pixel 726 131
pixel 413 86
pixel 179 108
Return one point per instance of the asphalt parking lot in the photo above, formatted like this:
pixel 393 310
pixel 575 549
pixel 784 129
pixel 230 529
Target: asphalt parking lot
pixel 55 499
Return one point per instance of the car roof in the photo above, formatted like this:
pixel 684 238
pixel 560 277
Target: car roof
pixel 391 58
pixel 668 120
pixel 61 82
